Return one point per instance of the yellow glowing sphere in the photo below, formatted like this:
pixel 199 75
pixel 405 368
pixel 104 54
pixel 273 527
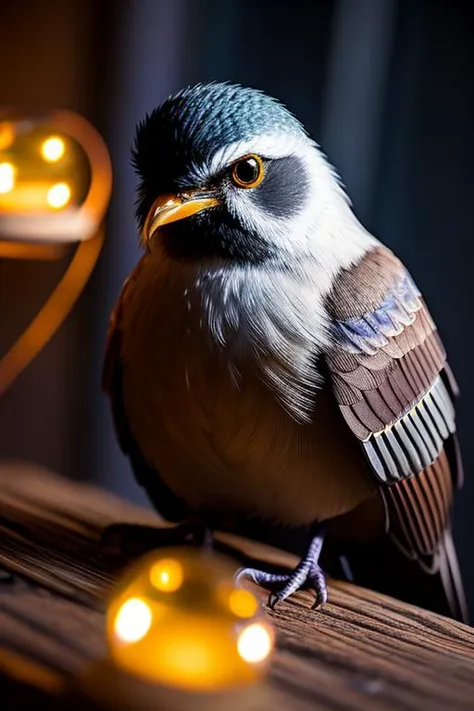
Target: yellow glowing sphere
pixel 167 575
pixel 58 195
pixel 255 643
pixel 52 149
pixel 7 177
pixel 177 619
pixel 243 603
pixel 133 620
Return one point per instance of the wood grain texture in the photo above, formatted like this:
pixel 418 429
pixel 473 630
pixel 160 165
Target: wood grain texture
pixel 362 651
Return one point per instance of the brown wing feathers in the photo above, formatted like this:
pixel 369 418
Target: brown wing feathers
pixel 421 503
pixel 386 366
pixel 394 389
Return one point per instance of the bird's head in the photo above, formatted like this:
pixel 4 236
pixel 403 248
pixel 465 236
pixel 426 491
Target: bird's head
pixel 228 173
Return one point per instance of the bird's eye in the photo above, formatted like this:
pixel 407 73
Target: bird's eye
pixel 248 172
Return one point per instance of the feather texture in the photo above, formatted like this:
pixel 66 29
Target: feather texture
pixel 386 367
pixel 395 391
pixel 199 416
pixel 172 507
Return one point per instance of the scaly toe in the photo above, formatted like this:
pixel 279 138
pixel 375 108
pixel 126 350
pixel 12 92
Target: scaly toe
pixel 308 574
pixel 304 577
pixel 317 582
pixel 273 600
pixel 260 577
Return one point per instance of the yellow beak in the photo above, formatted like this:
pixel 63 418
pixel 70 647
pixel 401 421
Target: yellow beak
pixel 170 208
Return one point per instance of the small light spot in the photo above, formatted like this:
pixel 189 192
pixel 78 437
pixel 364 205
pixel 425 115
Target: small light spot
pixel 242 603
pixel 7 177
pixel 133 620
pixel 255 643
pixel 167 575
pixel 52 149
pixel 58 195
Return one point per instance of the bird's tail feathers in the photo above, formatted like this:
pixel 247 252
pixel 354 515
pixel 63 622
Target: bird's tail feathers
pixel 435 585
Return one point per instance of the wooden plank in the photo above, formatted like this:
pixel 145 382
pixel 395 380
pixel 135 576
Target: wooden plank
pixel 363 650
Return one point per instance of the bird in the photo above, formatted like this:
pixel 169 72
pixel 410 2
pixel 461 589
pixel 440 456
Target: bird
pixel 269 359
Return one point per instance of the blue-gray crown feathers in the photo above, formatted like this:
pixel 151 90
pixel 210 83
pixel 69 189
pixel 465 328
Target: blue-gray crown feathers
pixel 199 120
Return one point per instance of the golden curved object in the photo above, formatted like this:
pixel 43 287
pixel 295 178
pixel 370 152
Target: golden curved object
pixel 23 220
pixel 29 250
pixel 53 312
pixel 54 191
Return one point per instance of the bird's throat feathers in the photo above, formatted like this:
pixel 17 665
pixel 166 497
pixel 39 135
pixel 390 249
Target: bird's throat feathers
pixel 249 318
pixel 273 321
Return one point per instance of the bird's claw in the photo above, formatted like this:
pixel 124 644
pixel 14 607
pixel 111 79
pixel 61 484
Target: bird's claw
pixel 308 575
pixel 273 600
pixel 302 579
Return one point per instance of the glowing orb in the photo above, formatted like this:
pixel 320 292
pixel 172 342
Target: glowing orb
pixel 52 149
pixel 133 620
pixel 49 162
pixel 255 643
pixel 177 619
pixel 7 177
pixel 167 575
pixel 243 603
pixel 58 195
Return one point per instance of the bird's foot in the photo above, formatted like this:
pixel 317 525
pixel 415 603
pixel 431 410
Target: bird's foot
pixel 307 575
pixel 132 539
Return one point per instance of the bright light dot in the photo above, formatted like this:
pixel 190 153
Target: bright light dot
pixel 133 620
pixel 242 603
pixel 58 196
pixel 7 177
pixel 167 575
pixel 52 149
pixel 254 643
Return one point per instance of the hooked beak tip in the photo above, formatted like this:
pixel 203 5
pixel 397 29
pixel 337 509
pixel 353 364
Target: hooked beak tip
pixel 171 208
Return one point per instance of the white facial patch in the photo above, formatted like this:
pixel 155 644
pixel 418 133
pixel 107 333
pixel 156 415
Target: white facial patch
pixel 324 231
pixel 326 205
pixel 266 145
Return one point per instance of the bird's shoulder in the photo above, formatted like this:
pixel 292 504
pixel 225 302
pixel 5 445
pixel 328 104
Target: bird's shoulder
pixel 388 366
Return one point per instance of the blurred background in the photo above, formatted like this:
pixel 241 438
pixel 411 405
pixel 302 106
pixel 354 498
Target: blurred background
pixel 387 88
